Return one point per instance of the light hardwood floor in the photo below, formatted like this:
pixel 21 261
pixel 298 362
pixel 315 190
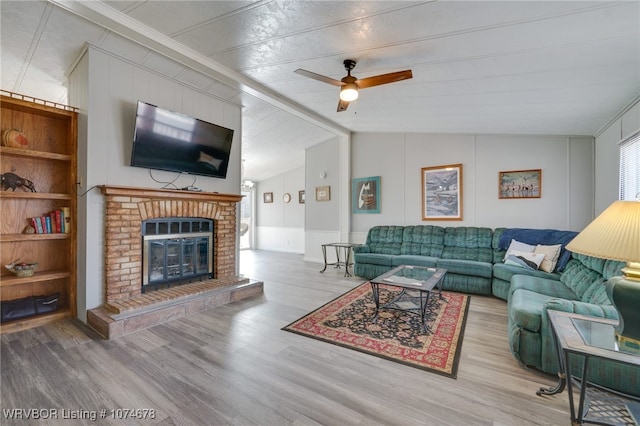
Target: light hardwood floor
pixel 232 365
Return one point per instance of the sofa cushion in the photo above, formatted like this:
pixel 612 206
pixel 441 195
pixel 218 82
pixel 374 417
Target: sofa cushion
pixel 546 287
pixel 590 309
pixel 472 284
pixel 466 267
pixel 505 272
pixel 424 240
pixel 468 243
pixel 604 267
pixel 385 239
pixel 408 259
pixel 579 278
pixel 525 309
pixel 390 249
pixel 374 259
pixel 596 293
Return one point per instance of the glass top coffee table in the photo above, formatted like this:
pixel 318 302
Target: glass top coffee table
pixel 417 284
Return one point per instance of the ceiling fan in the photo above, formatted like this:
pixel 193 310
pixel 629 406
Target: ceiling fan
pixel 349 85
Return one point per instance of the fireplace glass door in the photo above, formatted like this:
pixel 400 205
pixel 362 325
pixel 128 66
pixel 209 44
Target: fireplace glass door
pixel 176 252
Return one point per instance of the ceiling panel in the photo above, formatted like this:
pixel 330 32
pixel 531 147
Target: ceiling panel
pixel 552 67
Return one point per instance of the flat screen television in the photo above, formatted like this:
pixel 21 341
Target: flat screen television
pixel 167 140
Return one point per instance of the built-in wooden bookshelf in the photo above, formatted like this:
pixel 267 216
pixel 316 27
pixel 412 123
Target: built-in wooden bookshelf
pixel 50 162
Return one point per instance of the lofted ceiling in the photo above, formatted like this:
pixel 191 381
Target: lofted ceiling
pixel 510 67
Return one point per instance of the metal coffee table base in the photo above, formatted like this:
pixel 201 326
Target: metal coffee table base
pixel 393 304
pixel 411 280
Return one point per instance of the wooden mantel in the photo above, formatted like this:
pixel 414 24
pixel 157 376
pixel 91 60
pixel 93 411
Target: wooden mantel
pixel 168 193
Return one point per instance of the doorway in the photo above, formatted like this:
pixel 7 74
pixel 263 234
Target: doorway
pixel 246 220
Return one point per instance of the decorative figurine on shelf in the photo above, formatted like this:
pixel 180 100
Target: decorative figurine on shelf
pixel 14 138
pixel 12 180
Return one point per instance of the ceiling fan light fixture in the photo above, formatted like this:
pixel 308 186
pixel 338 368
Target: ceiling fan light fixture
pixel 349 92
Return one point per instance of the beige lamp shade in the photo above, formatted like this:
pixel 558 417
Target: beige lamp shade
pixel 615 234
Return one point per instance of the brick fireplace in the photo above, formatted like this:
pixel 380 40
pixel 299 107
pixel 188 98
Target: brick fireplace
pixel 126 209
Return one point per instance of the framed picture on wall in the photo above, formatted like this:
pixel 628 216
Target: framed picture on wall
pixel 520 184
pixel 267 197
pixel 323 193
pixel 442 192
pixel 301 197
pixel 365 194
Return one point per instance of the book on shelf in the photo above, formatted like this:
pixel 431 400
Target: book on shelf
pixel 66 211
pixel 62 224
pixel 35 222
pixel 54 222
pixel 57 216
pixel 52 217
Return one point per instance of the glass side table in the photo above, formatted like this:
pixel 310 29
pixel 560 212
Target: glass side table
pixel 346 249
pixel 590 337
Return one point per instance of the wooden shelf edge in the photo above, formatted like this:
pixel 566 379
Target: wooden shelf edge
pixel 10 280
pixel 35 321
pixel 5 150
pixel 34 237
pixel 31 104
pixel 35 195
pixel 167 193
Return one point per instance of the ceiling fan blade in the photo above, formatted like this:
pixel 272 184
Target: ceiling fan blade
pixel 342 105
pixel 377 80
pixel 318 77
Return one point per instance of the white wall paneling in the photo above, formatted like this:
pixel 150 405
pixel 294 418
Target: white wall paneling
pixel 399 158
pixel 106 88
pixel 278 238
pixel 313 243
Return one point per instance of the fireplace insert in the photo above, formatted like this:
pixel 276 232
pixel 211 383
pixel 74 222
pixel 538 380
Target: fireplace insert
pixel 176 251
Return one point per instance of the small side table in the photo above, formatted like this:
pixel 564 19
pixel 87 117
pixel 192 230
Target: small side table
pixel 346 250
pixel 590 337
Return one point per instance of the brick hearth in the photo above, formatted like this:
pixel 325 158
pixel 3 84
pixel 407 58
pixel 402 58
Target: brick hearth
pixel 126 208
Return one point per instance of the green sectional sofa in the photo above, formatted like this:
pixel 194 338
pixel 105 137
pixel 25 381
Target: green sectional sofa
pixel 465 251
pixel 474 258
pixel 472 255
pixel 502 273
pixel 579 290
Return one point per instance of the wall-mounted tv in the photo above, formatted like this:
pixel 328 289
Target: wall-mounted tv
pixel 167 140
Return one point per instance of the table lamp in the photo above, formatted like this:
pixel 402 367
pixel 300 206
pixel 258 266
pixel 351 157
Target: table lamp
pixel 615 234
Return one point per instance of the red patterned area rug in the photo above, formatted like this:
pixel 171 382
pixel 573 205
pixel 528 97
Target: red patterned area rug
pixel 397 335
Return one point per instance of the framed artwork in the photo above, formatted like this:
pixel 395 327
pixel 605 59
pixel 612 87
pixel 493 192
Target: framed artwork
pixel 323 193
pixel 520 184
pixel 442 192
pixel 267 197
pixel 286 197
pixel 301 197
pixel 365 193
